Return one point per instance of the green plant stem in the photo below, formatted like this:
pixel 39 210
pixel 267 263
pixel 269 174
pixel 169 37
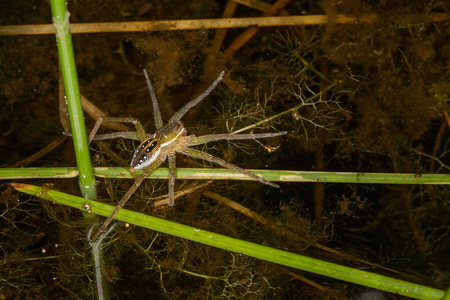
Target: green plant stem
pixel 231 244
pixel 447 295
pixel 225 174
pixel 69 73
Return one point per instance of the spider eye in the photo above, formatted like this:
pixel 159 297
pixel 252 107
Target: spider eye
pixel 145 154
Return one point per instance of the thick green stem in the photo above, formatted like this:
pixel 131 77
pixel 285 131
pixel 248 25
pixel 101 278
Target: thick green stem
pixel 69 74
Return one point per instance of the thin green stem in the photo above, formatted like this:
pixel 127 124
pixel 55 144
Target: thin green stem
pixel 69 73
pixel 225 174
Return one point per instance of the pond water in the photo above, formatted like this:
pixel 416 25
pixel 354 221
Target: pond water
pixel 384 111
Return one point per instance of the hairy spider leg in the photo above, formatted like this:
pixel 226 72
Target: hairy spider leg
pixel 128 194
pixel 139 128
pixel 156 111
pixel 130 135
pixel 194 153
pixel 198 140
pixel 182 111
pixel 193 140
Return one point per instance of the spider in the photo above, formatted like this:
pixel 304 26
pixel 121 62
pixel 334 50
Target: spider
pixel 166 141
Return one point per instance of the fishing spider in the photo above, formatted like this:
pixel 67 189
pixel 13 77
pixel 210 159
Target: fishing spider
pixel 168 140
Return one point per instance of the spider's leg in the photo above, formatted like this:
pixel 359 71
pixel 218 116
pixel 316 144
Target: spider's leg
pixel 137 124
pixel 206 156
pixel 197 140
pixel 179 114
pixel 130 192
pixel 172 168
pixel 120 134
pixel 156 111
pixel 114 135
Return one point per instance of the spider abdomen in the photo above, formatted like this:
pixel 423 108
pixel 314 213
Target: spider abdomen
pixel 145 154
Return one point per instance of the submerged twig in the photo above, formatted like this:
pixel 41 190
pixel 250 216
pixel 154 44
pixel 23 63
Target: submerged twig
pixel 94 112
pixel 219 37
pixel 47 149
pixel 164 200
pixel 202 24
pixel 251 31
